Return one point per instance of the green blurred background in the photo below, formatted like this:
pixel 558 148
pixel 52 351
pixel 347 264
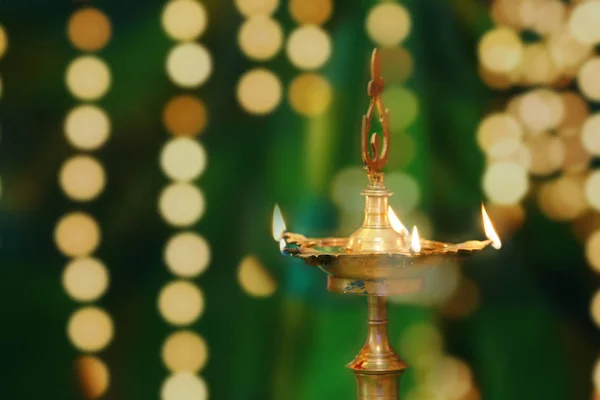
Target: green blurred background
pixel 529 334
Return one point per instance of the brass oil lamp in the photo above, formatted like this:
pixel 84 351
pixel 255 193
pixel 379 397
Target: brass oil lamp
pixel 379 259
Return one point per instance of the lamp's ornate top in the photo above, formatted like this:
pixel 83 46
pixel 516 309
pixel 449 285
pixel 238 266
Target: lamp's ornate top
pixel 374 153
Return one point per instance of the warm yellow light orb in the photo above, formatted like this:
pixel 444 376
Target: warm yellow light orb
pixel 90 329
pixel 537 66
pixel 566 52
pixel 89 29
pixel 314 12
pixel 496 128
pixel 500 50
pixel 3 41
pixel 309 47
pixel 577 157
pixel 185 115
pixel 77 234
pixel 396 65
pixel 541 110
pixel 596 378
pixel 563 199
pixel 180 303
pixel 184 19
pixel 547 154
pixel 94 377
pixel 505 183
pixel 250 8
pixel 421 344
pixel 310 94
pixel 583 22
pixel 576 110
pixel 87 127
pixel 183 159
pixel 189 65
pixel 388 24
pixel 85 279
pixel 82 178
pixel 88 78
pixel 588 79
pixel 259 91
pixel 260 38
pixel 181 204
pixel 549 16
pixel 592 189
pixel 403 107
pixel 184 385
pixel 592 251
pixel 595 310
pixel 590 134
pixel 254 278
pixel 185 351
pixel 187 254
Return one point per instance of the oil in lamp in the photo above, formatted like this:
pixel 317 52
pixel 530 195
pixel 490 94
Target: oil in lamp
pixel 379 259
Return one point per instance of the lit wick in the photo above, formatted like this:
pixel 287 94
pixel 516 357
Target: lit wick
pixel 415 242
pixel 397 225
pixel 490 232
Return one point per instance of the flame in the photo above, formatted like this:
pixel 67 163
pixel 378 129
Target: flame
pixel 278 227
pixel 415 242
pixel 282 245
pixel 490 232
pixel 397 225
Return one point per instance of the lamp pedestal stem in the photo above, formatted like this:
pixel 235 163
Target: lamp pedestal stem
pixel 377 367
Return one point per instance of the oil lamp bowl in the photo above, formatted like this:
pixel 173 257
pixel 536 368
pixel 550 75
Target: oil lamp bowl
pixel 387 273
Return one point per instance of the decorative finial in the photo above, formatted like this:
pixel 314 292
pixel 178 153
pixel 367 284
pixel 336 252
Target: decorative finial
pixel 374 153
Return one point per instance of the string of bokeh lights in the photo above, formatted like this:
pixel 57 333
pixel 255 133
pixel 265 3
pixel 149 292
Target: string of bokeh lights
pixel 82 179
pixel 545 141
pixel 181 203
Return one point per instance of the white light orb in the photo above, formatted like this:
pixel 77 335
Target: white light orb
pixel 88 78
pixel 309 47
pixel 189 65
pixel 183 159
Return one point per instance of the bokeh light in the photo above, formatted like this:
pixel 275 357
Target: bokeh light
pixel 421 344
pixel 184 386
pixel 541 110
pixel 254 278
pixel 185 351
pixel 396 65
pixel 567 53
pixel 260 38
pixel 577 157
pixel 309 47
pixel 89 29
pixel 94 377
pixel 449 377
pixel 406 188
pixel 346 187
pixel 403 107
pixel 592 250
pixel 505 183
pixel 77 234
pixel 184 19
pixel 88 78
pixel 181 204
pixel 465 299
pixel 388 24
pixel 563 199
pixel 549 16
pixel 583 22
pixel 547 154
pixel 596 379
pixel 315 12
pixel 82 178
pixel 310 94
pixel 85 279
pixel 500 50
pixel 588 79
pixel 259 91
pixel 189 65
pixel 576 110
pixel 590 134
pixel 595 308
pixel 87 127
pixel 250 8
pixel 185 115
pixel 496 129
pixel 187 254
pixel 592 189
pixel 90 329
pixel 183 159
pixel 3 41
pixel 537 66
pixel 180 303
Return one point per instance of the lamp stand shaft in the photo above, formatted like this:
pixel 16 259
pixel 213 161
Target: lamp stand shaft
pixel 377 367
